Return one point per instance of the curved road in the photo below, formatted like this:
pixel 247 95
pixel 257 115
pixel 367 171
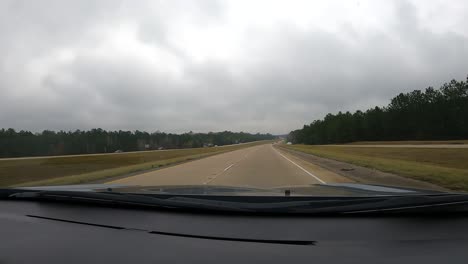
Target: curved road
pixel 258 166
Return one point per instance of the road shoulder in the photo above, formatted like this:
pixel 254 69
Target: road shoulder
pixel 360 174
pixel 320 172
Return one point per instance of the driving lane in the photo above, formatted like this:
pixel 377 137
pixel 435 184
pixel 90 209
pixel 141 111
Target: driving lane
pixel 258 166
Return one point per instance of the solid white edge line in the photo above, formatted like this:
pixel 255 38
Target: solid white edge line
pixel 317 178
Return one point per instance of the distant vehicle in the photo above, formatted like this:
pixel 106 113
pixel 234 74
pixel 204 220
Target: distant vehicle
pixel 160 148
pixel 118 151
pixel 289 143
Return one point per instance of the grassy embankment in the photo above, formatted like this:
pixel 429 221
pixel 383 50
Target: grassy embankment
pixel 90 168
pixel 446 167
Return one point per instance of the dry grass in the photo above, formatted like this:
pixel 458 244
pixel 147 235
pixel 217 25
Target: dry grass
pixel 410 142
pixel 446 167
pixel 88 168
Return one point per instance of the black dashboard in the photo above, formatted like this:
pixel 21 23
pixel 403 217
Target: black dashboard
pixel 49 232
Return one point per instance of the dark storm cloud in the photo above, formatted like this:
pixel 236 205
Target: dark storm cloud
pixel 178 66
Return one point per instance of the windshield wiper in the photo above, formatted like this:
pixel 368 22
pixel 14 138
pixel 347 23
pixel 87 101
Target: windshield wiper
pixel 412 204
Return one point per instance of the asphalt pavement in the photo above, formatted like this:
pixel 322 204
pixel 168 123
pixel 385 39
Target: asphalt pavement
pixel 258 166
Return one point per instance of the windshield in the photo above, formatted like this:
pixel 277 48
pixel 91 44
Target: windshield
pixel 235 98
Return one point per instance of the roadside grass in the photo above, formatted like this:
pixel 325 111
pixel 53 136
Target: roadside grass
pixel 90 168
pixel 446 167
pixel 410 142
pixel 109 173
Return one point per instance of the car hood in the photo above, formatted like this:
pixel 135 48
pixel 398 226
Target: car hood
pixel 337 189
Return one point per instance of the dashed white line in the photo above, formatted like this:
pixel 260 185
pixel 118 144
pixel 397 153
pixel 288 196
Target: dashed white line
pixel 317 178
pixel 228 167
pixel 213 178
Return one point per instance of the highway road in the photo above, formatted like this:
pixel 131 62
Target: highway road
pixel 257 166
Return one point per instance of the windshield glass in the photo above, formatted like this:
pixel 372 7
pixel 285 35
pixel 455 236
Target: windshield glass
pixel 235 98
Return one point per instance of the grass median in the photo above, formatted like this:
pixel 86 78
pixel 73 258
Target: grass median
pixel 446 167
pixel 90 168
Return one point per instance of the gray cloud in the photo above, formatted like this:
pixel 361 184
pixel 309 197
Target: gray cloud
pixel 178 66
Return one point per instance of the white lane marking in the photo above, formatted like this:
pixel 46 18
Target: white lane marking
pixel 213 178
pixel 317 178
pixel 210 179
pixel 228 167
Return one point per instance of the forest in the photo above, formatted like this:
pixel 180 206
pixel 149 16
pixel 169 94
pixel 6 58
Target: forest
pixel 25 143
pixel 431 114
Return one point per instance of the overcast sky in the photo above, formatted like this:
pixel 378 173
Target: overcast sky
pixel 256 66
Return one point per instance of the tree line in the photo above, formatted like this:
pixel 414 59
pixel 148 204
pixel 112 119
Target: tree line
pixel 432 114
pixel 25 143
